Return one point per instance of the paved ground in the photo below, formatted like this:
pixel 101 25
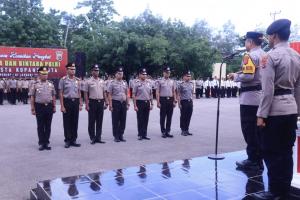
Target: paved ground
pixel 22 165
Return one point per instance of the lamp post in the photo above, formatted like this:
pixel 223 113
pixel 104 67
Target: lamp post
pixel 91 28
pixel 66 36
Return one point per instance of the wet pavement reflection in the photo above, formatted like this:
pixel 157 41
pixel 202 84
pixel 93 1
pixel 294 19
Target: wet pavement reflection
pixel 197 178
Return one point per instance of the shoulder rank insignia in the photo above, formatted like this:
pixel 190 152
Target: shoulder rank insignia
pixel 248 65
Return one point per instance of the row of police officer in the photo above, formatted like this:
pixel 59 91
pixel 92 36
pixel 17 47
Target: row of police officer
pixel 99 95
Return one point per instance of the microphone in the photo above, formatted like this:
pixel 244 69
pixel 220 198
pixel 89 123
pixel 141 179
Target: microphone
pixel 231 56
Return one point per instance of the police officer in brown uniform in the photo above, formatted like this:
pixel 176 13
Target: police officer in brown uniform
pixel 118 104
pixel 278 109
pixel 185 102
pixel 71 104
pixel 250 80
pixel 43 101
pixel 96 103
pixel 143 103
pixel 166 101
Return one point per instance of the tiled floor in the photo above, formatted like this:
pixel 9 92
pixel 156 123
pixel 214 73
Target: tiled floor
pixel 190 179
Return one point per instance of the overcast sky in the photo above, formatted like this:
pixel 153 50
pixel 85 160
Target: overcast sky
pixel 245 15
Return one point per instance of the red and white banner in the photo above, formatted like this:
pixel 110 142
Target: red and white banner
pixel 24 62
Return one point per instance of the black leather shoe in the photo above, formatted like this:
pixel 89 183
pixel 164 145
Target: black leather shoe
pixel 46 146
pixel 67 145
pixel 140 138
pixel 163 135
pixel 267 196
pixel 188 133
pixel 93 141
pixel 184 133
pixel 116 140
pixel 122 139
pixel 74 144
pixel 100 141
pixel 146 138
pixel 169 135
pixel 248 165
pixel 41 147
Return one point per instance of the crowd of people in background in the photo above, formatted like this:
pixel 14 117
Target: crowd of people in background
pixel 210 88
pixel 15 90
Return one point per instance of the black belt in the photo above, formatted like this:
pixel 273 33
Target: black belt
pixel 146 101
pixel 71 99
pixel 188 100
pixel 119 101
pixel 281 91
pixel 44 104
pixel 166 98
pixel 97 100
pixel 250 88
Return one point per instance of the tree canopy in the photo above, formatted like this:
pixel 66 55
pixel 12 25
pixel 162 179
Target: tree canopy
pixel 143 41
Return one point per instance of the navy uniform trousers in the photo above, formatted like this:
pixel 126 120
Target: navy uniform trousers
pixel 142 116
pixel 70 119
pixel 44 114
pixel 118 115
pixel 207 92
pixel 278 139
pixel 166 112
pixel 186 114
pixel 251 132
pixel 95 117
pixel 1 96
pixel 13 95
pixel 25 95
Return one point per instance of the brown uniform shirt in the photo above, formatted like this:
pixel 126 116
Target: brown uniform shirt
pixel 95 88
pixel 70 87
pixel 280 71
pixel 118 90
pixel 42 91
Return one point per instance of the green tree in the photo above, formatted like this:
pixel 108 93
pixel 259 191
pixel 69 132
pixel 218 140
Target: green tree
pixel 25 24
pixel 227 40
pixel 101 11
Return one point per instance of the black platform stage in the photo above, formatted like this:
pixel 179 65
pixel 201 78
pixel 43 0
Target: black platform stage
pixel 190 179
